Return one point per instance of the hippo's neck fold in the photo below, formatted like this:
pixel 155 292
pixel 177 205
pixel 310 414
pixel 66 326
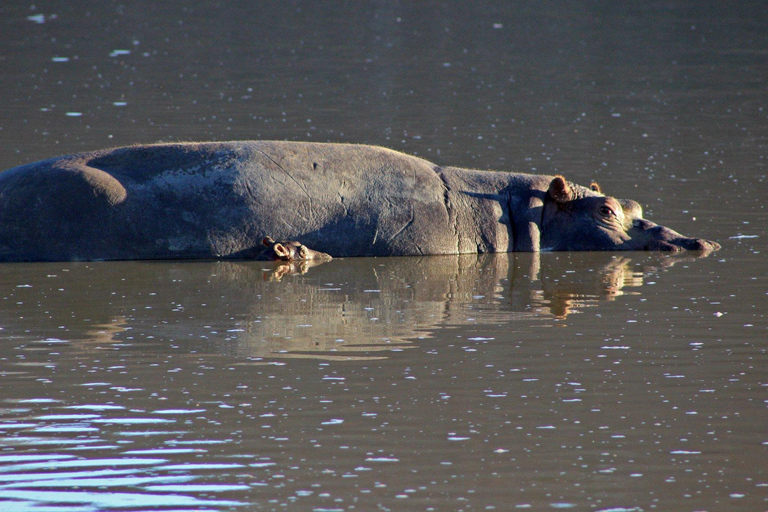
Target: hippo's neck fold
pixel 486 210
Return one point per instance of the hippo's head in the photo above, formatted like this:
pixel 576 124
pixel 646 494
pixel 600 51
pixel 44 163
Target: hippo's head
pixel 288 251
pixel 583 219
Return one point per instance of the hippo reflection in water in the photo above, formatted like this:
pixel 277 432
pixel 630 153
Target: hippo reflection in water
pixel 219 200
pixel 415 298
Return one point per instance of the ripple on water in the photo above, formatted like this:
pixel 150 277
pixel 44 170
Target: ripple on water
pixel 38 481
pixel 114 500
pixel 133 421
pixel 194 466
pixel 47 475
pixel 96 407
pixel 62 417
pixel 53 465
pixel 105 482
pixel 179 411
pixel 198 488
pixel 33 458
pixel 38 442
pixel 164 451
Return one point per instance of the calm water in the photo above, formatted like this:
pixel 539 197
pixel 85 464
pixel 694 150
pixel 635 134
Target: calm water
pixel 583 381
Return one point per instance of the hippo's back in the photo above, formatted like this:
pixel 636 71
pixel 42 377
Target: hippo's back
pixel 212 200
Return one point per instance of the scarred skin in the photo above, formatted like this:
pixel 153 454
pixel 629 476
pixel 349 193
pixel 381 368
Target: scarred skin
pixel 219 200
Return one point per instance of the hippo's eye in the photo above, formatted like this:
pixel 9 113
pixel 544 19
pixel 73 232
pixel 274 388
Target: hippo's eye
pixel 605 211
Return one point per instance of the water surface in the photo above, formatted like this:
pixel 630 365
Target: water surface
pixel 566 381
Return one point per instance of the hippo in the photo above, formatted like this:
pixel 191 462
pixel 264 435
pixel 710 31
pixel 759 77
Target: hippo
pixel 217 200
pixel 288 251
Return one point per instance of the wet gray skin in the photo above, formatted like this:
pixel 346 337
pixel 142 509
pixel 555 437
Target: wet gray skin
pixel 219 200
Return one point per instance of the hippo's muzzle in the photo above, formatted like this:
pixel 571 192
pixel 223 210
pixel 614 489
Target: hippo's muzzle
pixel 649 236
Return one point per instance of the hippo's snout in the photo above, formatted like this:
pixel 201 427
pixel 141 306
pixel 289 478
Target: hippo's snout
pixel 699 244
pixel 653 237
pixel 683 244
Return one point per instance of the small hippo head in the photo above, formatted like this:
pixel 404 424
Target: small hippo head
pixel 583 219
pixel 288 251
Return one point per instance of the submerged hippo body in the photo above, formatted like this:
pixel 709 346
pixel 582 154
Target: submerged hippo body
pixel 219 200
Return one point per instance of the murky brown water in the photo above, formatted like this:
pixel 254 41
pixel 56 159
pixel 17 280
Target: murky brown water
pixel 566 381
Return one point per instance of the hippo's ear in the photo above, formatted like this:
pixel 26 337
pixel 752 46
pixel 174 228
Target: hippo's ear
pixel 595 187
pixel 267 241
pixel 280 250
pixel 559 190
